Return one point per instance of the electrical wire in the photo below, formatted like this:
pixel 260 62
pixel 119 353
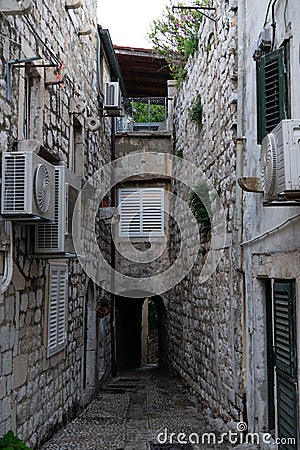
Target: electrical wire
pixel 272 230
pixel 51 53
pixel 273 24
pixel 267 13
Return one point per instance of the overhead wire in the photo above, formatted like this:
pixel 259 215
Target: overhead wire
pixel 51 53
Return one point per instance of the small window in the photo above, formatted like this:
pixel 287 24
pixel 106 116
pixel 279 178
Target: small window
pixel 272 90
pixel 57 307
pixel 141 212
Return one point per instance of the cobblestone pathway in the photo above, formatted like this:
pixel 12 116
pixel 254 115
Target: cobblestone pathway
pixel 131 411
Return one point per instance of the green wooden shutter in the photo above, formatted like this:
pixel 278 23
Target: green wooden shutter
pixel 285 343
pixel 284 328
pixel 272 98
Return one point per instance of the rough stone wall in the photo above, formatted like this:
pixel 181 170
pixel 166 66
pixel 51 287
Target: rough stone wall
pixel 38 393
pixel 205 332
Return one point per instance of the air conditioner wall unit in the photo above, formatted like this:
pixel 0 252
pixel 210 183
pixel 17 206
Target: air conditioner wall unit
pixel 280 161
pixel 27 187
pixel 56 238
pixel 112 95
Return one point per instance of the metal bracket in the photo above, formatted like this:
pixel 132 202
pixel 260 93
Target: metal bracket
pixel 9 65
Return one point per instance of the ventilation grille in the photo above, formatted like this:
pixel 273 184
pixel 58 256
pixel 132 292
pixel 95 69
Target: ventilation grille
pixel 14 198
pixel 42 191
pixel 110 95
pixel 268 165
pixel 47 235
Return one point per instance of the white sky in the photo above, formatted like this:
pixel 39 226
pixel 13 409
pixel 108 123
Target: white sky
pixel 128 21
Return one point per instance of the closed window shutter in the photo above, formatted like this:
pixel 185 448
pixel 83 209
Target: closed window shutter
pixel 152 211
pixel 272 91
pixel 141 212
pixel 57 307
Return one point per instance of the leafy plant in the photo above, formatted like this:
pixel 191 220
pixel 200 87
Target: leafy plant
pixel 104 302
pixel 196 112
pixel 11 442
pixel 179 153
pixel 142 112
pixel 198 198
pixel 175 35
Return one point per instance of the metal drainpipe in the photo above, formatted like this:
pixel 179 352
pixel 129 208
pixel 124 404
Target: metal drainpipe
pixel 113 263
pixel 240 146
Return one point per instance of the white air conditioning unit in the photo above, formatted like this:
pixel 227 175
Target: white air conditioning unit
pixel 56 238
pixel 27 187
pixel 280 161
pixel 112 96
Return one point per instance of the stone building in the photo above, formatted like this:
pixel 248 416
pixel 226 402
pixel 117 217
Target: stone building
pixel 268 151
pixel 205 337
pixel 233 338
pixel 55 351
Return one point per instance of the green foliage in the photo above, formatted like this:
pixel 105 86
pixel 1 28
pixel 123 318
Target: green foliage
pixel 142 112
pixel 11 442
pixel 175 35
pixel 181 75
pixel 179 153
pixel 198 198
pixel 196 112
pixel 104 302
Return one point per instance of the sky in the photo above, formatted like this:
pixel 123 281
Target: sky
pixel 128 21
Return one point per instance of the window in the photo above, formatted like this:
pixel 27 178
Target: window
pixel 272 90
pixel 141 212
pixel 57 307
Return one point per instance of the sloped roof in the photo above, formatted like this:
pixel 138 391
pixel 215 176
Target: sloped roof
pixel 145 73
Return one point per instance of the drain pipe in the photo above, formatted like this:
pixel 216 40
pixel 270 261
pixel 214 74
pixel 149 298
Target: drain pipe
pixel 7 259
pixel 240 149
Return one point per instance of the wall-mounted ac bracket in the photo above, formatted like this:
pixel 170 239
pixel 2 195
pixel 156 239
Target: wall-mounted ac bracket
pixel 109 112
pixel 73 4
pixel 15 7
pixel 250 184
pixel 85 31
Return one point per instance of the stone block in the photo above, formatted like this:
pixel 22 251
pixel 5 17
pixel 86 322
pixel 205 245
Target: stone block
pixel 7 363
pixel 20 370
pixel 2 387
pixel 5 338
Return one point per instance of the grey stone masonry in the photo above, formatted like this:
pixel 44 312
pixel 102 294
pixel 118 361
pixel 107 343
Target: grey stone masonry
pixel 39 392
pixel 205 331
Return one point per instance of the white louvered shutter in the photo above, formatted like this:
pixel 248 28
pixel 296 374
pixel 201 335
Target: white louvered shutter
pixel 57 307
pixel 141 212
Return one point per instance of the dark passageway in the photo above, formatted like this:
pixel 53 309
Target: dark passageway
pixel 141 333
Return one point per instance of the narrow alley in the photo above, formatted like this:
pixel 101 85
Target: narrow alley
pixel 149 226
pixel 141 409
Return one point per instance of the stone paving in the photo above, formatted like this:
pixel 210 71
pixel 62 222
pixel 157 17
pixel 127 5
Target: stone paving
pixel 130 412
